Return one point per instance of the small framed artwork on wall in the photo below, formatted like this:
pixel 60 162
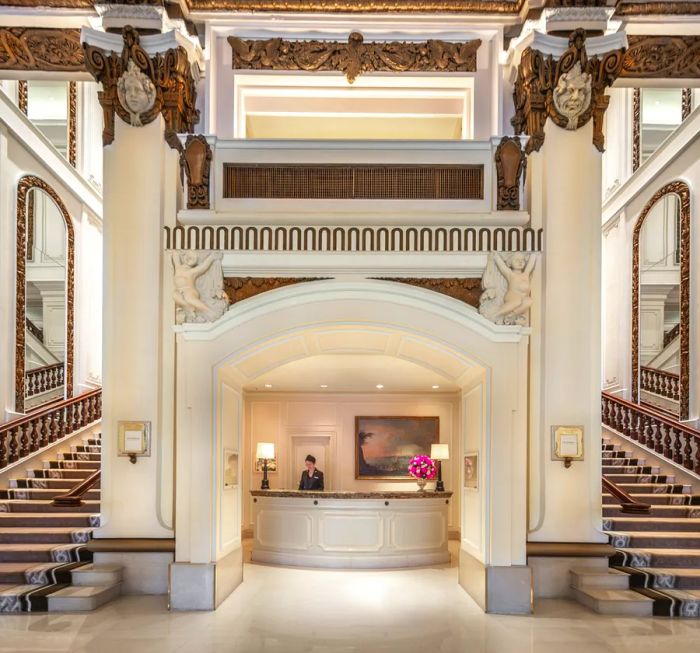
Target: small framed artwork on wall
pixel 471 471
pixel 385 445
pixel 230 469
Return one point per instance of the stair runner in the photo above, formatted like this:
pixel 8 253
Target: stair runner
pixel 40 544
pixel 660 551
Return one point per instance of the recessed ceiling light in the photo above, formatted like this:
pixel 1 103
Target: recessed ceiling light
pixel 379 386
pixel 268 385
pixel 436 387
pixel 323 385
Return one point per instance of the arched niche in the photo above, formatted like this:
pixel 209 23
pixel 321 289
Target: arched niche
pixel 37 199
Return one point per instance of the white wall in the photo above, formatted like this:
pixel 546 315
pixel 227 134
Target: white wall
pixel 279 418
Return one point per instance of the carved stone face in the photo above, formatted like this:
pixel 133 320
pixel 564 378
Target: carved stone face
pixel 136 93
pixel 572 96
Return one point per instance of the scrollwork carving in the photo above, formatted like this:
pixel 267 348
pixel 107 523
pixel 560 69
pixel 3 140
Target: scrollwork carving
pixel 196 161
pixel 510 168
pixel 654 56
pixel 39 48
pixel 240 288
pixel 354 57
pixel 569 91
pixel 465 290
pixel 138 87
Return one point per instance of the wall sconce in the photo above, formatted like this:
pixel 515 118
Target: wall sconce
pixel 439 452
pixel 266 451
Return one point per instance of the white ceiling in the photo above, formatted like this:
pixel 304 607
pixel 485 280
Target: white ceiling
pixel 351 373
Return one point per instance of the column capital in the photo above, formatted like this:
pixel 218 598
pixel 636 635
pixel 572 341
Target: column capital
pixel 142 80
pixel 565 85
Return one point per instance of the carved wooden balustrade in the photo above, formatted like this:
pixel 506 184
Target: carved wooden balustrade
pixel 672 334
pixel 25 435
pixel 661 434
pixel 43 379
pixel 659 382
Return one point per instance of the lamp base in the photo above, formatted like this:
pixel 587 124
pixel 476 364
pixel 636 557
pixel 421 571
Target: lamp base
pixel 440 486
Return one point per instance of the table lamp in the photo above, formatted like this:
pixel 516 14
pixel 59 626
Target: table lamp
pixel 265 451
pixel 439 452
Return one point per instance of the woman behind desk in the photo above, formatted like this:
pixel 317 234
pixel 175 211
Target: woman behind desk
pixel 311 478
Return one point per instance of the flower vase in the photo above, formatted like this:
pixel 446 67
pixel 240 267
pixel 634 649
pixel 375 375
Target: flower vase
pixel 421 484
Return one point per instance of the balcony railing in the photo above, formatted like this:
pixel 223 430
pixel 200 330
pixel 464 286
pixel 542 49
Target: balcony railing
pixel 44 379
pixel 254 181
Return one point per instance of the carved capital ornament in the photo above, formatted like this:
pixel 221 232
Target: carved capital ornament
pixel 569 90
pixel 138 87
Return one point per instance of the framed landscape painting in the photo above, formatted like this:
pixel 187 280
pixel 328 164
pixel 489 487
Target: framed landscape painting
pixel 385 445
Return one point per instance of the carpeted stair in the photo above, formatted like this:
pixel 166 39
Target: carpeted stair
pixel 659 552
pixel 44 563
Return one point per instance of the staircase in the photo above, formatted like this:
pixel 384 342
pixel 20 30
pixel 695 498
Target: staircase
pixel 44 562
pixel 655 569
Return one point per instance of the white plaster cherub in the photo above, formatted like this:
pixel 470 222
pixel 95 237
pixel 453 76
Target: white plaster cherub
pixel 187 271
pixel 506 296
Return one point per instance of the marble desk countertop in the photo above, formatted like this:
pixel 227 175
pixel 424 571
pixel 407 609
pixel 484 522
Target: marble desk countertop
pixel 315 494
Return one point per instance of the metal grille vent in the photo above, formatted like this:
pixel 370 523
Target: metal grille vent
pixel 345 182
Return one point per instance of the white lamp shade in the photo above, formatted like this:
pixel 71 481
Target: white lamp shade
pixel 439 452
pixel 265 450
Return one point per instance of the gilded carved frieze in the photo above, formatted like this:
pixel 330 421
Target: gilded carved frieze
pixel 465 290
pixel 361 6
pixel 569 90
pixel 354 57
pixel 240 288
pixel 38 48
pixel 654 56
pixel 138 87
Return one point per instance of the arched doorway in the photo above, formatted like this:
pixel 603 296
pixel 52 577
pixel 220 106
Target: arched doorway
pixel 216 362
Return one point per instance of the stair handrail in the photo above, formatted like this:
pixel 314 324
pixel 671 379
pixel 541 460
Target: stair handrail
pixel 628 503
pixel 74 497
pixel 21 437
pixel 654 430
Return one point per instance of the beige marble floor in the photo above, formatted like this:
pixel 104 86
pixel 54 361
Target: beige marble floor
pixel 307 611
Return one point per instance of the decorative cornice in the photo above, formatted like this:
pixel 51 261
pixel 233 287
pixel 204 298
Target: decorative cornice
pixel 540 75
pixel 168 74
pixel 654 56
pixel 354 57
pixel 361 6
pixel 37 48
pixel 657 8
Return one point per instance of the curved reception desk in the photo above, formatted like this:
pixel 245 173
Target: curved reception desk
pixel 360 530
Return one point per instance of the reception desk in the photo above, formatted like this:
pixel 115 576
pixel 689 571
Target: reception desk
pixel 359 530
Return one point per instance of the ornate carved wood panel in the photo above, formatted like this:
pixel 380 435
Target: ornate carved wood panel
pixel 681 189
pixel 662 57
pixel 539 76
pixel 465 290
pixel 22 96
pixel 510 167
pixel 169 73
pixel 26 184
pixel 240 288
pixel 72 123
pixel 38 48
pixel 354 57
pixel 360 6
pixel 636 128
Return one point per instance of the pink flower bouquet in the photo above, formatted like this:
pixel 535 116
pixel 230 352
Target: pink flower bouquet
pixel 422 468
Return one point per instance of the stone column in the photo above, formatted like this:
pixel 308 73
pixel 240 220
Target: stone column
pixel 148 82
pixel 560 103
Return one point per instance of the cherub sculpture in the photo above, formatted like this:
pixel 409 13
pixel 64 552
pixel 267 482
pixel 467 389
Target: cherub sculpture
pixel 506 289
pixel 199 294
